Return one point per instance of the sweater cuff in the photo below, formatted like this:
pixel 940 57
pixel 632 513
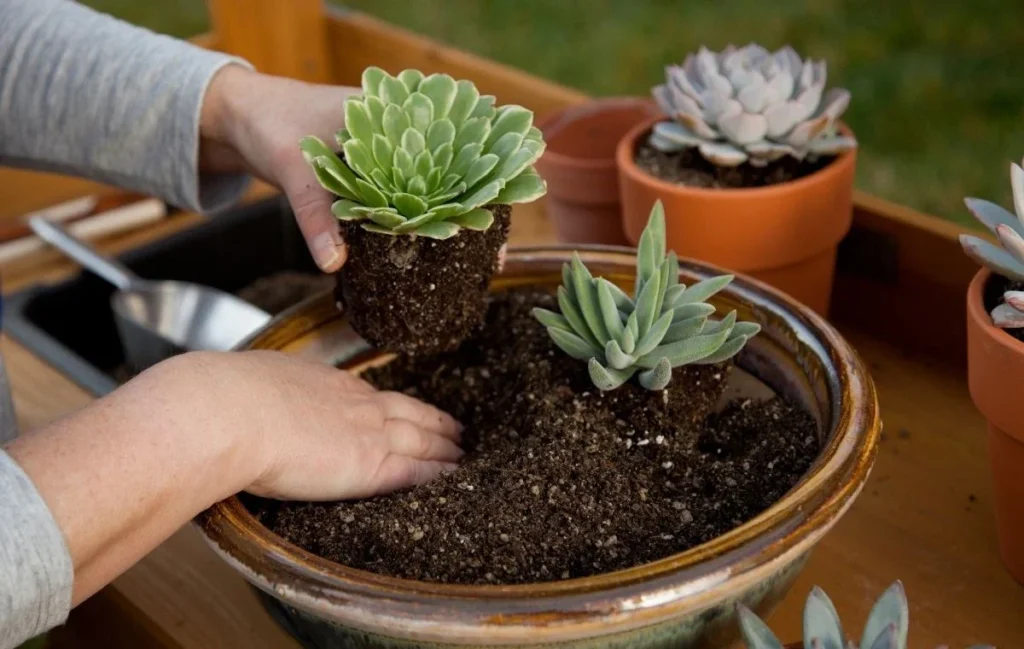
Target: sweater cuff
pixel 208 193
pixel 35 566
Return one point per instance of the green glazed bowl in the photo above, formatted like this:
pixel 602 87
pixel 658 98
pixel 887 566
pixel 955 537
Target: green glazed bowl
pixel 685 600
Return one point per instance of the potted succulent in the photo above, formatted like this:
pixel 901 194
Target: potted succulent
pixel 428 171
pixel 995 354
pixel 752 164
pixel 887 627
pixel 638 461
pixel 579 167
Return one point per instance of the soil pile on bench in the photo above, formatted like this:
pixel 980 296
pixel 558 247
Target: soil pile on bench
pixel 560 480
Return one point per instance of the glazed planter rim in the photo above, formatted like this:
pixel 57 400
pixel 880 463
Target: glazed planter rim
pixel 585 108
pixel 624 159
pixel 976 310
pixel 627 599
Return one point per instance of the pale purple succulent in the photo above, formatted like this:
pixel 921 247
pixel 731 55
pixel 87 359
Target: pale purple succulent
pixel 749 104
pixel 1007 260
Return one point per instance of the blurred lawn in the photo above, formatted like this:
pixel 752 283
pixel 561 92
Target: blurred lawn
pixel 938 85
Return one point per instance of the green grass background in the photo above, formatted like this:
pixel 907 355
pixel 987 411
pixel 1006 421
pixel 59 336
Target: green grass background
pixel 938 85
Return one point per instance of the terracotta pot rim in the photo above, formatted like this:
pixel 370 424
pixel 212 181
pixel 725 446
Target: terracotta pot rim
pixel 551 122
pixel 976 311
pixel 624 160
pixel 604 603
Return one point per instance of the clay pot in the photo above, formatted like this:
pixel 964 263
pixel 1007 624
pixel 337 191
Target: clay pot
pixel 995 373
pixel 682 601
pixel 579 167
pixel 785 235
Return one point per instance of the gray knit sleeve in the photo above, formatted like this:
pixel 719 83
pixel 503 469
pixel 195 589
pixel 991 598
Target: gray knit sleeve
pixel 36 574
pixel 85 94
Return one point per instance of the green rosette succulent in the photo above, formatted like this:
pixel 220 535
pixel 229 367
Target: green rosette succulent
pixel 667 326
pixel 887 627
pixel 423 155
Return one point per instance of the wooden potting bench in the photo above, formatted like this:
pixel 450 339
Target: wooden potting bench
pixel 925 516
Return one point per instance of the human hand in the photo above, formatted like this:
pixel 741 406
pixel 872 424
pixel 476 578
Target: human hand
pixel 305 430
pixel 253 122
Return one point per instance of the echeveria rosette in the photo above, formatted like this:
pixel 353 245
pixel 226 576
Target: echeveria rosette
pixel 423 155
pixel 887 627
pixel 749 104
pixel 666 326
pixel 1006 259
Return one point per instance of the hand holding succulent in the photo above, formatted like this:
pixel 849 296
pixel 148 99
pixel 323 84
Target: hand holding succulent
pixel 749 104
pixel 425 154
pixel 665 327
pixel 1008 260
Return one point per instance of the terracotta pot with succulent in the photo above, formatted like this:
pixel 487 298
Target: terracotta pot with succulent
pixel 753 166
pixel 579 167
pixel 887 627
pixel 995 354
pixel 648 443
pixel 428 171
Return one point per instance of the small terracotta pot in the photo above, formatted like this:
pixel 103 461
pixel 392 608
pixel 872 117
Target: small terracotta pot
pixel 995 373
pixel 785 235
pixel 684 601
pixel 579 167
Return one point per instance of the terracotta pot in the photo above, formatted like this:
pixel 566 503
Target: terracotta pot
pixel 685 600
pixel 785 235
pixel 579 167
pixel 995 373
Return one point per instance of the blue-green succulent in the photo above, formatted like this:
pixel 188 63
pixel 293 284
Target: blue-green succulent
pixel 666 326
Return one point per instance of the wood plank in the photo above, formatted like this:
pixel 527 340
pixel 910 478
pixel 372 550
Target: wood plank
pixel 903 277
pixel 283 38
pixel 357 41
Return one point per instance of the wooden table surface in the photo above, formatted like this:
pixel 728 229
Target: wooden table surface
pixel 925 517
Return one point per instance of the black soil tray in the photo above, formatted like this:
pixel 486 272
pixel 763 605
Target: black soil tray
pixel 70 325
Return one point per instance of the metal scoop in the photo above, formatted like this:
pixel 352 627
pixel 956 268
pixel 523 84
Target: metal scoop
pixel 158 319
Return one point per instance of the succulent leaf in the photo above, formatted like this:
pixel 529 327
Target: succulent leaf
pixel 606 378
pixel 890 608
pixel 551 319
pixel 476 219
pixel 755 632
pixel 572 344
pixel 703 290
pixel 437 230
pixel 657 377
pixel 609 312
pixel 425 154
pixel 821 622
pixel 748 104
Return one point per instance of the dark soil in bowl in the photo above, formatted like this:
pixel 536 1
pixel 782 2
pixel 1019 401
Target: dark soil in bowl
pixel 688 167
pixel 993 297
pixel 418 295
pixel 560 480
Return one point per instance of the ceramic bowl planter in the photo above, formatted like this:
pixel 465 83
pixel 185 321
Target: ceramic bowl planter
pixel 996 374
pixel 685 600
pixel 752 162
pixel 579 167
